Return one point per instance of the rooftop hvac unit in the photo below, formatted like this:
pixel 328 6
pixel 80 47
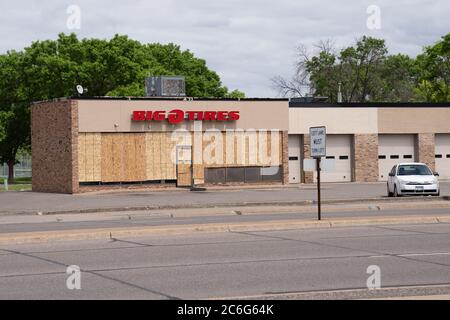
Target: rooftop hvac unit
pixel 165 86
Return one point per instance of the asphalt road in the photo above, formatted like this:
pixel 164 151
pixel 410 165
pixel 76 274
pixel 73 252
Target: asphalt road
pixel 236 264
pixel 32 202
pixel 166 218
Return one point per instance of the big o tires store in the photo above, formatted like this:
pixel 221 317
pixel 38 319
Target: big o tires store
pixel 87 144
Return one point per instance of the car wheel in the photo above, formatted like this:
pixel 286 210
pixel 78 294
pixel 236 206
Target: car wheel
pixel 396 192
pixel 389 193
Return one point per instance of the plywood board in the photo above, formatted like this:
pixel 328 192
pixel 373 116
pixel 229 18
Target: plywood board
pixel 141 161
pixel 184 175
pixel 108 174
pixel 149 141
pixel 97 149
pixel 157 156
pixel 81 157
pixel 89 157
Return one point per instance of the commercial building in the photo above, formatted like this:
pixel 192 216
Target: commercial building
pixel 367 140
pixel 84 144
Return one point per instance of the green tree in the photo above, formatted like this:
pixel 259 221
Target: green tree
pixel 434 72
pixel 5 116
pixel 357 69
pixel 399 78
pixel 16 136
pixel 362 64
pixel 14 110
pixel 366 72
pixel 235 94
pixel 116 67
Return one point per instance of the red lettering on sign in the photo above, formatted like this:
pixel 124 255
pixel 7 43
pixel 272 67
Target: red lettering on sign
pixel 159 115
pixel 233 115
pixel 200 116
pixel 222 116
pixel 210 116
pixel 177 116
pixel 138 115
pixel 191 115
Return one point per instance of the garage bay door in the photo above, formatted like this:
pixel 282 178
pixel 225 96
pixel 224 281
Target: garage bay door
pixel 339 150
pixel 392 149
pixel 294 158
pixel 442 152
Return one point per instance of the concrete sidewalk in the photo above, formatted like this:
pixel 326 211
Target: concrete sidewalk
pixel 32 203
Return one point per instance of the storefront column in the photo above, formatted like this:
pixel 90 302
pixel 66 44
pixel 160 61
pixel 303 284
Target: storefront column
pixel 365 159
pixel 425 147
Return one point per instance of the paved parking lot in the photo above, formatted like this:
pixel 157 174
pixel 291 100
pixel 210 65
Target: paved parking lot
pixel 24 202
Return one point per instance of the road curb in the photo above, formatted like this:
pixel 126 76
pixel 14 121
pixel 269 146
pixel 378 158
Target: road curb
pixel 234 204
pixel 275 225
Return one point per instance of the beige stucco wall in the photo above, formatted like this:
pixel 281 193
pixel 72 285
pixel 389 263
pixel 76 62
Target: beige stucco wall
pixel 414 120
pixel 103 115
pixel 337 120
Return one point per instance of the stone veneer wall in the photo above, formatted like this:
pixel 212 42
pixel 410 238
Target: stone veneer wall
pixel 425 149
pixel 54 143
pixel 365 160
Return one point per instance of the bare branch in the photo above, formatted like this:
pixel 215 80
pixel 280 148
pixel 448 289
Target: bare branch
pixel 296 87
pixel 328 46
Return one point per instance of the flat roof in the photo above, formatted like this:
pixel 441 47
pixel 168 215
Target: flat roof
pixel 292 103
pixel 295 104
pixel 160 99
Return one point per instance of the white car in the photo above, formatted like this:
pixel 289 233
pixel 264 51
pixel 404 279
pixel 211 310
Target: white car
pixel 412 178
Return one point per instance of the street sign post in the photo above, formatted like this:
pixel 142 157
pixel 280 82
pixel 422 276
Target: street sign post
pixel 318 148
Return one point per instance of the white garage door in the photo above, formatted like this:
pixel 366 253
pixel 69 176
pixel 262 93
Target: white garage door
pixel 442 145
pixel 339 150
pixel 392 149
pixel 294 158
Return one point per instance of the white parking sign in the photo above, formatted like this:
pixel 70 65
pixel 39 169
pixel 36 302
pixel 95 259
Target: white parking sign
pixel 318 136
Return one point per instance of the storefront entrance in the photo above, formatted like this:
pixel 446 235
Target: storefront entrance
pixel 184 166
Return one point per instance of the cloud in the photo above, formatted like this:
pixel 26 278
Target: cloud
pixel 246 42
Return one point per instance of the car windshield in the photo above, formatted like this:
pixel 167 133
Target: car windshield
pixel 413 170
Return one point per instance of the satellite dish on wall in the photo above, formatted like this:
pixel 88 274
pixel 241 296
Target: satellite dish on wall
pixel 81 90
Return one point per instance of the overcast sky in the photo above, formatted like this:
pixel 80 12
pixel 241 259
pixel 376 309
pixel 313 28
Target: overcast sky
pixel 246 41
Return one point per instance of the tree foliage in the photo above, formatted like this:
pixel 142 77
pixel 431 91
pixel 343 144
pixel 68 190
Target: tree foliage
pixel 434 72
pixel 366 72
pixel 116 67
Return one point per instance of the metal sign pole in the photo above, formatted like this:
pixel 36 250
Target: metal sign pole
pixel 319 213
pixel 318 145
pixel 192 168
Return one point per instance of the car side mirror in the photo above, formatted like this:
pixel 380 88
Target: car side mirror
pixel 436 174
pixel 391 174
